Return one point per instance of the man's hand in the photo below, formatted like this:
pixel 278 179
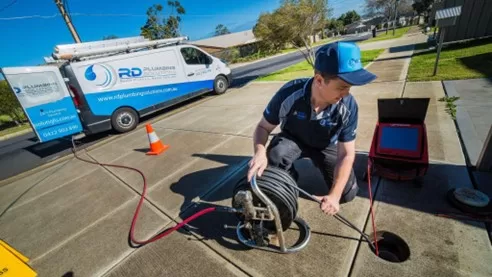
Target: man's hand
pixel 257 164
pixel 260 161
pixel 330 204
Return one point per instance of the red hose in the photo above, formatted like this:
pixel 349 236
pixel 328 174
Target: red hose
pixel 370 202
pixel 139 206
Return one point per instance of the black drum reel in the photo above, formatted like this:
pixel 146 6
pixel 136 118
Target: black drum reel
pixel 268 207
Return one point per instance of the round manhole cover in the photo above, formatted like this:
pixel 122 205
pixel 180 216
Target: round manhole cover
pixel 471 197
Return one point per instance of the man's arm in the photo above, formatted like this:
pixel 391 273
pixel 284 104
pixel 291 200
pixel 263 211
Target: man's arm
pixel 271 119
pixel 346 151
pixel 345 161
pixel 260 138
pixel 330 203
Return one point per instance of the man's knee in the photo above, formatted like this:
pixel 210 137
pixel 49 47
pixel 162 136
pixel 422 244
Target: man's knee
pixel 351 189
pixel 282 153
pixel 279 156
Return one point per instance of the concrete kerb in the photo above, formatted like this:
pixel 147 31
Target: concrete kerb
pixel 406 66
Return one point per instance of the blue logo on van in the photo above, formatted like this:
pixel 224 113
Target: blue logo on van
pixel 17 90
pixel 102 75
pixel 133 72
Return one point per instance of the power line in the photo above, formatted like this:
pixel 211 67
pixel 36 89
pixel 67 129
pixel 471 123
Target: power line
pixel 30 17
pixel 102 14
pixel 8 5
pixel 106 14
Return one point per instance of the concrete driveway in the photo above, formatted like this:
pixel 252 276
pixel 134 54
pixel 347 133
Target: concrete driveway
pixel 72 218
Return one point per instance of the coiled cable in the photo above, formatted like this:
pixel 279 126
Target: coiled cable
pixel 282 190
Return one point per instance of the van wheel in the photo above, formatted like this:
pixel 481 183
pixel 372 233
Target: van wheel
pixel 220 84
pixel 124 120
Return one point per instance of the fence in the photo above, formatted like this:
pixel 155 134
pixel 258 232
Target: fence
pixel 475 20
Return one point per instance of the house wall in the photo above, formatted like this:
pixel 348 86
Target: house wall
pixel 210 50
pixel 475 20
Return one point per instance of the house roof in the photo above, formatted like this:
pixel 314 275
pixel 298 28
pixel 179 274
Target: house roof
pixel 229 40
pixel 356 24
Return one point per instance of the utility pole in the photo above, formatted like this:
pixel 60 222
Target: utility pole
pixel 396 13
pixel 65 16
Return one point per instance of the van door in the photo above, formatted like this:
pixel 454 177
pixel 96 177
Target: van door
pixel 198 67
pixel 45 99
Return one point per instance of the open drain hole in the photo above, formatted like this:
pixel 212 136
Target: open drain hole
pixel 392 248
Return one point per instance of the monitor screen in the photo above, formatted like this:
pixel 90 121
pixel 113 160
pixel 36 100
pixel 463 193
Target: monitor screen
pixel 400 138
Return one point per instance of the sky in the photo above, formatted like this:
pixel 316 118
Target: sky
pixel 30 29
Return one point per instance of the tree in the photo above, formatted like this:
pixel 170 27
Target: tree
pixel 349 17
pixel 335 25
pixel 9 104
pixel 159 27
pixel 221 30
pixel 294 22
pixel 269 30
pixel 422 7
pixel 110 37
pixel 386 8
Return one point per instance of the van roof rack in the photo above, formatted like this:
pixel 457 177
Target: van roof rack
pixel 110 47
pixel 100 44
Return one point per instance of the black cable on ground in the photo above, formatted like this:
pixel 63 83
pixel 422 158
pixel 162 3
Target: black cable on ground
pixel 337 216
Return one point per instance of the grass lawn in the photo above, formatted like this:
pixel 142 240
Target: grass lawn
pixel 4 118
pixel 460 61
pixel 5 130
pixel 14 130
pixel 383 36
pixel 303 69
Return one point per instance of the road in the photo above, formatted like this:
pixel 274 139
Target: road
pixel 249 72
pixel 23 153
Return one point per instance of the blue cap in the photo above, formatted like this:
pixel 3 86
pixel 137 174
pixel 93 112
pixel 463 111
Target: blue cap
pixel 343 59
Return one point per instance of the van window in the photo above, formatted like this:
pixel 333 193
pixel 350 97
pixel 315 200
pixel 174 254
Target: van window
pixel 194 56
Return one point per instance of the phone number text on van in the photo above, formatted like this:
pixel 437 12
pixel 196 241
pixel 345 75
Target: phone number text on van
pixel 60 131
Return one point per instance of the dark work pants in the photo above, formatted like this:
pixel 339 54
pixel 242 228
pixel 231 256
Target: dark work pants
pixel 284 150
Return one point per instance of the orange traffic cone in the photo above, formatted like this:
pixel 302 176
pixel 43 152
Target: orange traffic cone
pixel 156 145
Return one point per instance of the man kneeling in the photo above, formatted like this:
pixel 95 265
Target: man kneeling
pixel 318 118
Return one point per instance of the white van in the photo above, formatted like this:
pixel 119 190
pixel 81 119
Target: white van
pixel 112 90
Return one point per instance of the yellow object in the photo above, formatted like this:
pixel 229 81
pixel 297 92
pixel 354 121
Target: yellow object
pixel 13 263
pixel 15 252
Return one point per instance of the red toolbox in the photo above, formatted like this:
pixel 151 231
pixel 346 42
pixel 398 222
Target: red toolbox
pixel 399 149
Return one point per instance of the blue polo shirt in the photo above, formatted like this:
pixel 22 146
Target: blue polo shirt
pixel 291 107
